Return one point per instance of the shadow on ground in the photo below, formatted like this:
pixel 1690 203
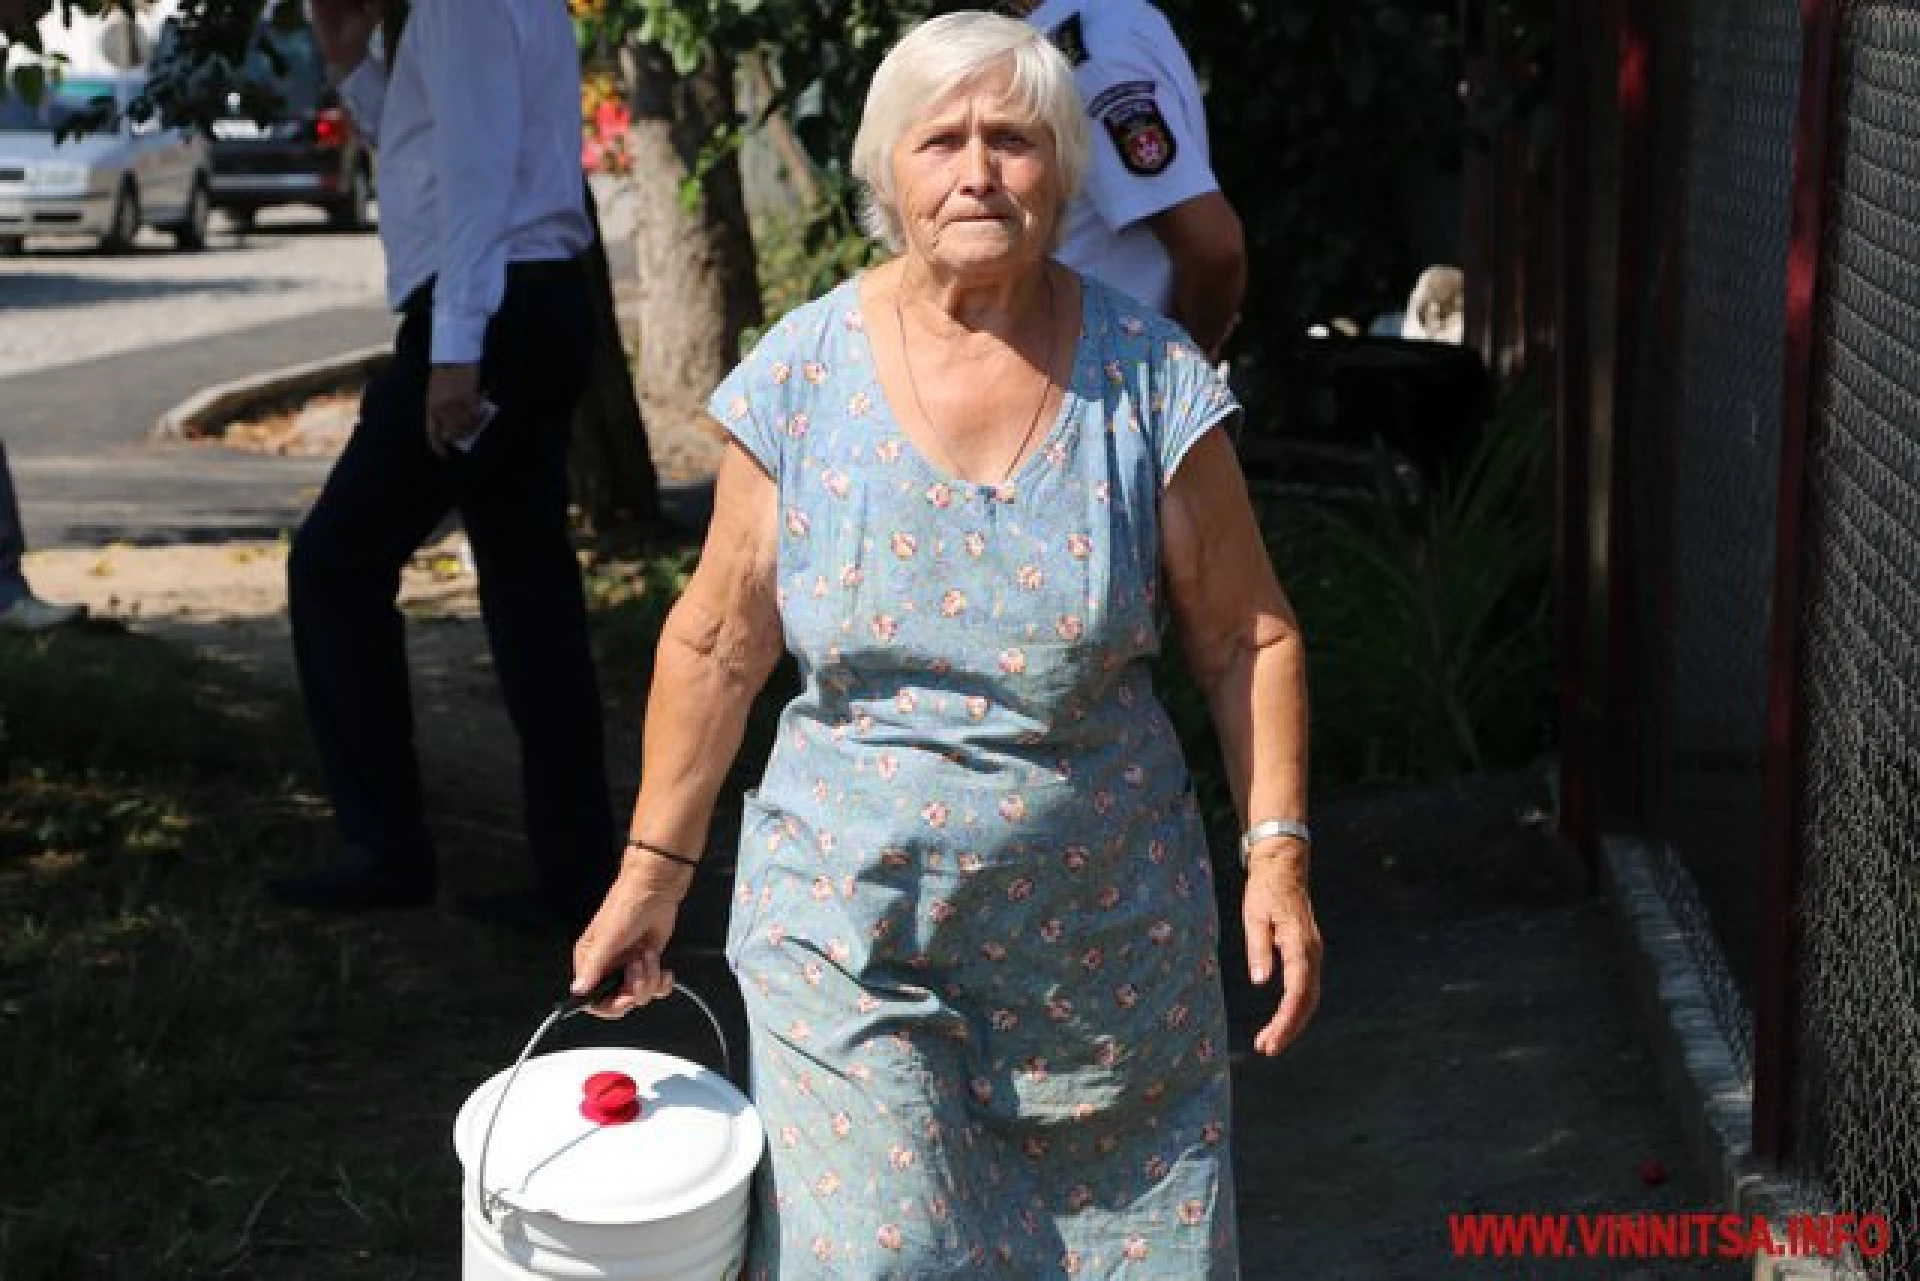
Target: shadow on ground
pixel 1475 1051
pixel 68 289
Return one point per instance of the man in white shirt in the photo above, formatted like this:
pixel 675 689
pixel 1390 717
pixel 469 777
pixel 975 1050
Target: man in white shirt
pixel 473 107
pixel 1150 219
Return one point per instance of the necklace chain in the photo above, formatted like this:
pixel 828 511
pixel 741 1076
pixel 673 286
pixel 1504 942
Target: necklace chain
pixel 1046 387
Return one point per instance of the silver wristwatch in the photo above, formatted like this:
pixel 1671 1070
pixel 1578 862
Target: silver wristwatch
pixel 1267 830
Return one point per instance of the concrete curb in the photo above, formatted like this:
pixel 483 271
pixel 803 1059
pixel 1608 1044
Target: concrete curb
pixel 1698 1063
pixel 206 411
pixel 202 415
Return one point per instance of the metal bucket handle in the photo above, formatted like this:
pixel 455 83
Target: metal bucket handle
pixel 572 1005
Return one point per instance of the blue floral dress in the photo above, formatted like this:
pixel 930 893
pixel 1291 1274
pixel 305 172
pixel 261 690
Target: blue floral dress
pixel 974 922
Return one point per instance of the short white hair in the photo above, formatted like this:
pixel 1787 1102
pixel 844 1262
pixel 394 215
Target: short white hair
pixel 934 61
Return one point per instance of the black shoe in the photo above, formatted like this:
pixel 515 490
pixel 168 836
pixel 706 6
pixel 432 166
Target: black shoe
pixel 523 910
pixel 354 882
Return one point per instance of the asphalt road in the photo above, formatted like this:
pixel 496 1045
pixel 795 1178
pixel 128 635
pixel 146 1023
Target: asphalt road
pixel 64 303
pixel 94 349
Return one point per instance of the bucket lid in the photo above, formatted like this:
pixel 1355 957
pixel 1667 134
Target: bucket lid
pixel 695 1139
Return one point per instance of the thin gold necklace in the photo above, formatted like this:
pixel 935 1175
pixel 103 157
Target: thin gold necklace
pixel 1046 386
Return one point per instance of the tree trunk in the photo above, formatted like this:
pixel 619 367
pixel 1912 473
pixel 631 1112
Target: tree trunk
pixel 21 15
pixel 611 466
pixel 779 132
pixel 698 284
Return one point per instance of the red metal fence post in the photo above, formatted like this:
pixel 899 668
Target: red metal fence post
pixel 1572 414
pixel 1621 431
pixel 1655 672
pixel 1776 969
pixel 1479 175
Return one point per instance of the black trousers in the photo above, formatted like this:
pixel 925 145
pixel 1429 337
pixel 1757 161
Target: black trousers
pixel 13 538
pixel 385 495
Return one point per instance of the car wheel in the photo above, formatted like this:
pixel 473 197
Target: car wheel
pixel 125 227
pixel 350 214
pixel 241 220
pixel 190 233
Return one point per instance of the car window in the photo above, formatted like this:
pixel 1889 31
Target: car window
pixel 299 75
pixel 17 115
pixel 59 105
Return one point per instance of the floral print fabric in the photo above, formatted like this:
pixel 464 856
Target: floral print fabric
pixel 974 922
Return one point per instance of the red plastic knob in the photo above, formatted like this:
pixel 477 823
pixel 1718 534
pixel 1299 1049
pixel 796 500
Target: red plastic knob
pixel 610 1098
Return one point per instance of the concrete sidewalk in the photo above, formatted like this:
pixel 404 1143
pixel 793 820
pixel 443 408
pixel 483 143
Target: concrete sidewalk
pixel 87 474
pixel 1477 1051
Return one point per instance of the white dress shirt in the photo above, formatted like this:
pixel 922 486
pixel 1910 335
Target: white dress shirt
pixel 477 130
pixel 1136 82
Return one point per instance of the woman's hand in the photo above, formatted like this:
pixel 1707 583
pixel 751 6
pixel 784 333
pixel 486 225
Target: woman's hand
pixel 1278 916
pixel 631 930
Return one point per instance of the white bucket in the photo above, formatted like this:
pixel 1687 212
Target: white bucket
pixel 572 1190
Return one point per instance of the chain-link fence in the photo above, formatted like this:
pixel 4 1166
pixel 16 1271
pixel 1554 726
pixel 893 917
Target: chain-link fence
pixel 1723 455
pixel 1701 458
pixel 1705 234
pixel 1857 1076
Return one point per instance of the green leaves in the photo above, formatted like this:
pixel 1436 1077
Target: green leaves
pixel 1322 114
pixel 198 63
pixel 1426 611
pixel 286 15
pixel 29 80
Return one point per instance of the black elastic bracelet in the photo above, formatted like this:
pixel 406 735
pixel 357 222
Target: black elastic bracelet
pixel 657 852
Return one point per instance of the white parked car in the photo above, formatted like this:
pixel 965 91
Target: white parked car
pixel 107 184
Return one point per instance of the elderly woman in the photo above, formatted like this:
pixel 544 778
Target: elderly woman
pixel 974 919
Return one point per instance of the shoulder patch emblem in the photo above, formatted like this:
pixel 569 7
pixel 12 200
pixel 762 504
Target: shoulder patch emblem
pixel 1139 131
pixel 1070 40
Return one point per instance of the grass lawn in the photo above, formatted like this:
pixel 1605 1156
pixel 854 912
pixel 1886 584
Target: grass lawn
pixel 197 1083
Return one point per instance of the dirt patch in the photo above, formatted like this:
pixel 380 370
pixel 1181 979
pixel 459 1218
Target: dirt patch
pixel 227 582
pixel 229 600
pixel 310 427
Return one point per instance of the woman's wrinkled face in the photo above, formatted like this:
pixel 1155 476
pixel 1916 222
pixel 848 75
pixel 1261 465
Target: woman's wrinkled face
pixel 975 182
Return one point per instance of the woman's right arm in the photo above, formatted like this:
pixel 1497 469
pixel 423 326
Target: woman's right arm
pixel 717 647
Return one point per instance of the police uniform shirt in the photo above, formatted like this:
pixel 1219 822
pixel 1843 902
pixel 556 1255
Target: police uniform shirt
pixel 1148 142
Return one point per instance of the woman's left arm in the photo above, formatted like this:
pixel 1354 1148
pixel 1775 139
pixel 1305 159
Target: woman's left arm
pixel 1243 645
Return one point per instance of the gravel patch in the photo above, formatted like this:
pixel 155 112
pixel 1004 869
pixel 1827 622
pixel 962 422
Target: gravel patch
pixel 315 428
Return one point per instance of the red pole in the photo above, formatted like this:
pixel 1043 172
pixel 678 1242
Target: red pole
pixel 1661 445
pixel 1624 431
pixel 1479 174
pixel 1776 970
pixel 1573 404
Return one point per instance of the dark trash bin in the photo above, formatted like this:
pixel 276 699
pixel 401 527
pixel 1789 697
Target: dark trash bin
pixel 1321 423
